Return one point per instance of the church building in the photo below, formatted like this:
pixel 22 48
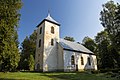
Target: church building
pixel 56 54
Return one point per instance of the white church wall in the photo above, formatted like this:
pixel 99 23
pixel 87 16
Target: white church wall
pixel 39 50
pixel 67 61
pixel 60 58
pixel 50 51
pixel 77 60
pixel 86 64
pixel 94 62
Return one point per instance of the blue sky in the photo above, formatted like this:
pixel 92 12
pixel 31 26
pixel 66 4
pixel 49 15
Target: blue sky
pixel 78 18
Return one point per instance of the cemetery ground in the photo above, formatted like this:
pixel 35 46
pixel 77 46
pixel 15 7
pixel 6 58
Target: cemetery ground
pixel 56 76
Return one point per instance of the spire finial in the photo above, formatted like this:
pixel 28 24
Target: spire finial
pixel 48 12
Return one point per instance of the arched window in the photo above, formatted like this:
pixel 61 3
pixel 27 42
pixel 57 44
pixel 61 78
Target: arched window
pixel 52 42
pixel 40 43
pixel 89 62
pixel 72 60
pixel 82 61
pixel 40 30
pixel 52 29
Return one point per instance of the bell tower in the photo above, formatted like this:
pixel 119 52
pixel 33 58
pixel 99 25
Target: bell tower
pixel 46 46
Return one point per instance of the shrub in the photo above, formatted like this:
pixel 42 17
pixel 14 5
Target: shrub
pixel 95 71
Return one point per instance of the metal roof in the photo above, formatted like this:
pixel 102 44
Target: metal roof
pixel 49 19
pixel 68 45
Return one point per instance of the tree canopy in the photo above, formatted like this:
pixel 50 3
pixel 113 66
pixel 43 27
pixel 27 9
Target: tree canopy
pixel 89 43
pixel 110 20
pixel 108 41
pixel 69 38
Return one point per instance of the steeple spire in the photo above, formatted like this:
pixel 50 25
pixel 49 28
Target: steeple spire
pixel 48 12
pixel 49 18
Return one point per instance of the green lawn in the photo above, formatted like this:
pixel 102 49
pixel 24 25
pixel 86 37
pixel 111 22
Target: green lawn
pixel 53 76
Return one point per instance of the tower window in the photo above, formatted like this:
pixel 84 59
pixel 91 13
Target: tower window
pixel 72 60
pixel 89 62
pixel 52 29
pixel 38 54
pixel 52 42
pixel 40 30
pixel 82 61
pixel 40 43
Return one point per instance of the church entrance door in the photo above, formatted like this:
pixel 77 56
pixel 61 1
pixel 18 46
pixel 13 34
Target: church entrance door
pixel 76 67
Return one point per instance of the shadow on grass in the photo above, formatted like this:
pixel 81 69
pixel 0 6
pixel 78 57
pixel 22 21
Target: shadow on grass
pixel 10 79
pixel 31 71
pixel 65 76
pixel 77 76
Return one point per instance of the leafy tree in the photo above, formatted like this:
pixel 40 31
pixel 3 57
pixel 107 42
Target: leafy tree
pixel 9 17
pixel 105 59
pixel 110 20
pixel 69 38
pixel 116 36
pixel 89 43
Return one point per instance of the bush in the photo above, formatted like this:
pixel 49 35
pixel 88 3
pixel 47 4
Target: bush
pixel 109 73
pixel 95 71
pixel 109 70
pixel 119 72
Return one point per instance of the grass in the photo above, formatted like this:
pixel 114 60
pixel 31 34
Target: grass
pixel 53 76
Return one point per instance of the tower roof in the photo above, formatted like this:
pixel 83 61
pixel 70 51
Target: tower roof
pixel 49 19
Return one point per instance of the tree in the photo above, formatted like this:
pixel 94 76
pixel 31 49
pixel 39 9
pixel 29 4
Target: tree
pixel 29 44
pixel 23 64
pixel 105 59
pixel 31 63
pixel 110 20
pixel 89 43
pixel 28 49
pixel 69 38
pixel 116 37
pixel 9 17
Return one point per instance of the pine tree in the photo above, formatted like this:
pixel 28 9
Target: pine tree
pixel 9 17
pixel 28 48
pixel 31 63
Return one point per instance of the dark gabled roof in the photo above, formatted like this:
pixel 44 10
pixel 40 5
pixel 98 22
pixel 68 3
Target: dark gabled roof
pixel 49 19
pixel 73 46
